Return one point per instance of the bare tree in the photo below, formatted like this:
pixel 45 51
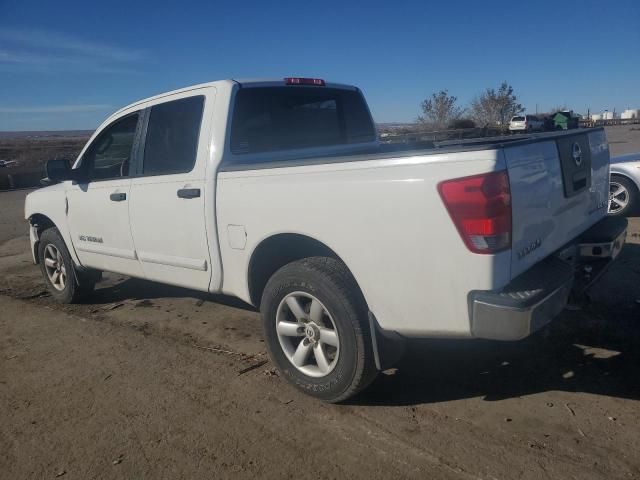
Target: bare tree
pixel 559 108
pixel 495 106
pixel 440 110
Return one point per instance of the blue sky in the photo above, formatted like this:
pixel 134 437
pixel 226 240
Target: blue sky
pixel 67 64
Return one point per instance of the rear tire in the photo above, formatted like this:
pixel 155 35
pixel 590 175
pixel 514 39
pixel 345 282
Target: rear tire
pixel 325 299
pixel 623 196
pixel 59 271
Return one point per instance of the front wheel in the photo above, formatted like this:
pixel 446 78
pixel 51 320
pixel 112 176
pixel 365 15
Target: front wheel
pixel 622 196
pixel 316 329
pixel 58 269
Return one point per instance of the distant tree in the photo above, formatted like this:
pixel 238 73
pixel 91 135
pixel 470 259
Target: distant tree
pixel 495 106
pixel 440 109
pixel 461 123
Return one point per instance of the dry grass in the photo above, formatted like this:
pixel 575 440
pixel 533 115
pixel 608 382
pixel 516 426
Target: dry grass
pixel 31 153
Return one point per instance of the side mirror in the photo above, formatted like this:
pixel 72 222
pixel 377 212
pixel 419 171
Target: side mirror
pixel 60 170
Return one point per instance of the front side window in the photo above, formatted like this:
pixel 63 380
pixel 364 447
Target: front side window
pixel 110 154
pixel 267 119
pixel 172 136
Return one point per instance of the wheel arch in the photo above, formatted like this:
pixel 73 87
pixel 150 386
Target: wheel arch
pixel 277 250
pixel 40 222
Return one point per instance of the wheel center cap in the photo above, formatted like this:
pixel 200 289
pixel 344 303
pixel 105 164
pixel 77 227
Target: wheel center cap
pixel 311 332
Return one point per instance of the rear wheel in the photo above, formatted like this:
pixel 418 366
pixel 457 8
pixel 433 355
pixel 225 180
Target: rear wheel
pixel 622 196
pixel 59 272
pixel 316 329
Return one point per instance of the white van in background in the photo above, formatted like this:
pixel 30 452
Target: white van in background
pixel 526 123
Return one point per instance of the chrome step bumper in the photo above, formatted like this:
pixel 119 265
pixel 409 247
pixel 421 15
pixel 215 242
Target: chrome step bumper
pixel 537 296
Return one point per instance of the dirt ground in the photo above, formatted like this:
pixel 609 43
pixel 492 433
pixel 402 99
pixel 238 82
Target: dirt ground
pixel 149 381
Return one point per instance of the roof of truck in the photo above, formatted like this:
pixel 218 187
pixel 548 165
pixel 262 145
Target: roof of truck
pixel 174 92
pixel 279 82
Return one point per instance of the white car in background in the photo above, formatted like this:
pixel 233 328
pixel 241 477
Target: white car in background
pixel 526 123
pixel 624 184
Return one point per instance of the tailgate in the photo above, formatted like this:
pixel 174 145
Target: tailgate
pixel 559 188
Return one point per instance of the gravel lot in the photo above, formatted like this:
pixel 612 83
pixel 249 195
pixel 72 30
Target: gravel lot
pixel 155 382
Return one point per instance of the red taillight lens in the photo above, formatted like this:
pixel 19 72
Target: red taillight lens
pixel 480 207
pixel 318 82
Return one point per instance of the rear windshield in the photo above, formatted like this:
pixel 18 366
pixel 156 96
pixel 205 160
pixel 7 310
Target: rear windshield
pixel 517 119
pixel 285 118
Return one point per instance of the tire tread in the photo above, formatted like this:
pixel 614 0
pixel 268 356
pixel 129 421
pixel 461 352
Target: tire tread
pixel 75 292
pixel 345 286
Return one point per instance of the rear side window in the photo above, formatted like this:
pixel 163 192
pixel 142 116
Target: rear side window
pixel 286 118
pixel 172 136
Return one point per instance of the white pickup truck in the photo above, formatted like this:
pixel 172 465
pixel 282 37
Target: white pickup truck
pixel 279 193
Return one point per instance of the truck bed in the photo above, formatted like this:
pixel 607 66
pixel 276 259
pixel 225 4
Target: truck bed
pixel 387 198
pixel 400 150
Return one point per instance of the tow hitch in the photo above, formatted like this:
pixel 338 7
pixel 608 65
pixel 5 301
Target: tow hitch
pixel 595 251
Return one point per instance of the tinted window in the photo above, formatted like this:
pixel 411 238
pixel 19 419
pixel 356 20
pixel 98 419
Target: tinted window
pixel 110 154
pixel 517 119
pixel 172 136
pixel 283 118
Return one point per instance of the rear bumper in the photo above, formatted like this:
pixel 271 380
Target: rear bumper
pixel 537 296
pixel 525 305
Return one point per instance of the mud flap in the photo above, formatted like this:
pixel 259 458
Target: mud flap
pixel 388 346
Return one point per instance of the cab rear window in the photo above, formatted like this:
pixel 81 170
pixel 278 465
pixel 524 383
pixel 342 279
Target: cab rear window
pixel 286 118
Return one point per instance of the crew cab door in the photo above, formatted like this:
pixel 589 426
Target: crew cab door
pixel 168 195
pixel 98 205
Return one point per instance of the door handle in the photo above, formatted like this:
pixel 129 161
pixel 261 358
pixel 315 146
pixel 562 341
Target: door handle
pixel 118 197
pixel 189 193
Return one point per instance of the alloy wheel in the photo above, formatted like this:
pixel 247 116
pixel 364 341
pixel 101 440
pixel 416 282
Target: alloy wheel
pixel 55 267
pixel 307 334
pixel 618 197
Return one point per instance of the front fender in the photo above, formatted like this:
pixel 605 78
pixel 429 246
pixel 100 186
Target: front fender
pixel 50 205
pixel 630 170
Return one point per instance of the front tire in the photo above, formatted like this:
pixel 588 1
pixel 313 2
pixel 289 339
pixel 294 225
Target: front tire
pixel 316 329
pixel 58 270
pixel 622 196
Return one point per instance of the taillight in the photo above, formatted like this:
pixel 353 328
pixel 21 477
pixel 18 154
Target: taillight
pixel 318 82
pixel 480 207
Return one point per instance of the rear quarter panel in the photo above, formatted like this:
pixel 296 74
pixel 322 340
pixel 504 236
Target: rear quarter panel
pixel 384 219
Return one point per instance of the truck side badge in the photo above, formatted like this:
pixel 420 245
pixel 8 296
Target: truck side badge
pixel 529 248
